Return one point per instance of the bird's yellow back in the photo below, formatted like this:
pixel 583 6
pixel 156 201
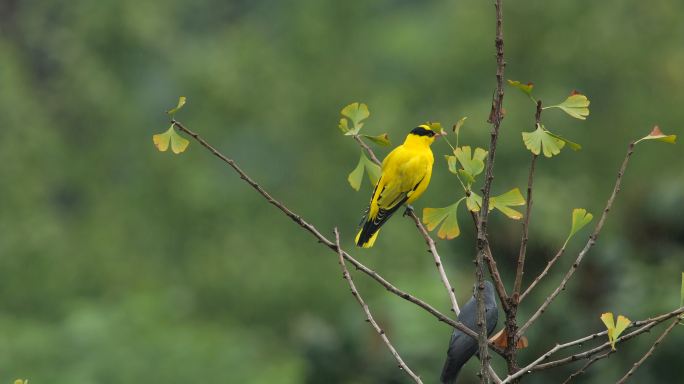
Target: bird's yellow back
pixel 406 173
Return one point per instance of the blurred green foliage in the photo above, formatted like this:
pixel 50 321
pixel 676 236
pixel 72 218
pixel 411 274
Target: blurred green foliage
pixel 122 264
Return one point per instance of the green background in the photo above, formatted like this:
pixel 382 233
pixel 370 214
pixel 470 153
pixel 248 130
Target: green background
pixel 121 264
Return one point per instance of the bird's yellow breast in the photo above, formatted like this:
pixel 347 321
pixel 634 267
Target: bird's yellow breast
pixel 406 171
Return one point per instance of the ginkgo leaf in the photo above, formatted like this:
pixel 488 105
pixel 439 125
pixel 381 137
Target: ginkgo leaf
pixel 371 169
pixel 620 326
pixel 574 146
pixel 505 201
pixel 576 105
pixel 580 218
pixel 178 143
pixel 181 103
pixel 452 163
pixel 379 139
pixel 162 141
pixel 459 124
pixel 473 163
pixel 20 381
pixel 356 176
pixel 467 176
pixel 525 88
pixel 449 229
pixel 500 339
pixel 540 140
pixel 343 125
pixel 657 134
pixel 357 113
pixel 614 330
pixel 474 202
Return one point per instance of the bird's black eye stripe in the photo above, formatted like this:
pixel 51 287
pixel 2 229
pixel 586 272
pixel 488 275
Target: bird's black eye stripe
pixel 420 131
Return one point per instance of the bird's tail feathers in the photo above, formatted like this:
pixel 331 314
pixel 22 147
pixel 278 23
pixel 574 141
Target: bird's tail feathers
pixel 364 240
pixel 366 236
pixel 450 371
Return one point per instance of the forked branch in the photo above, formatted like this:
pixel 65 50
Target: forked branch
pixel 369 316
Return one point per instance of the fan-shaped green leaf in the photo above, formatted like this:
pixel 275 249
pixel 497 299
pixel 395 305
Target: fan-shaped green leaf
pixel 379 139
pixel 373 170
pixel 474 202
pixel 356 176
pixel 576 105
pixel 357 113
pixel 614 329
pixel 525 88
pixel 162 141
pixel 657 134
pixel 343 125
pixel 505 201
pixel 574 146
pixel 181 103
pixel 449 229
pixel 540 140
pixel 580 218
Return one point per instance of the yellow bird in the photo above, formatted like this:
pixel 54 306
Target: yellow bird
pixel 405 175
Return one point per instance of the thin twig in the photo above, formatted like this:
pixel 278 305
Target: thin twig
pixel 526 223
pixel 587 247
pixel 369 316
pixel 650 352
pixel 590 353
pixel 438 261
pixel 426 236
pixel 495 118
pixel 367 149
pixel 523 241
pixel 587 365
pixel 642 325
pixel 543 273
pixel 325 241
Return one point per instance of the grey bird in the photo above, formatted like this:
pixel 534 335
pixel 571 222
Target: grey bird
pixel 462 347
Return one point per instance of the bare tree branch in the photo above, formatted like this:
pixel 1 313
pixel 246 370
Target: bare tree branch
pixel 369 316
pixel 650 351
pixel 587 247
pixel 367 149
pixel 587 365
pixel 543 273
pixel 526 223
pixel 645 325
pixel 495 117
pixel 426 236
pixel 493 269
pixel 438 261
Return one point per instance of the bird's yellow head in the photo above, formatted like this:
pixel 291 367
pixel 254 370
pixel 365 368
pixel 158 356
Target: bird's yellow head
pixel 421 135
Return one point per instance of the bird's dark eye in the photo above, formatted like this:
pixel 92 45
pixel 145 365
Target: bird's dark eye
pixel 422 131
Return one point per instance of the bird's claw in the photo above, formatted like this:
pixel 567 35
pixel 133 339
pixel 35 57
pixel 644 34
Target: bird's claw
pixel 408 211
